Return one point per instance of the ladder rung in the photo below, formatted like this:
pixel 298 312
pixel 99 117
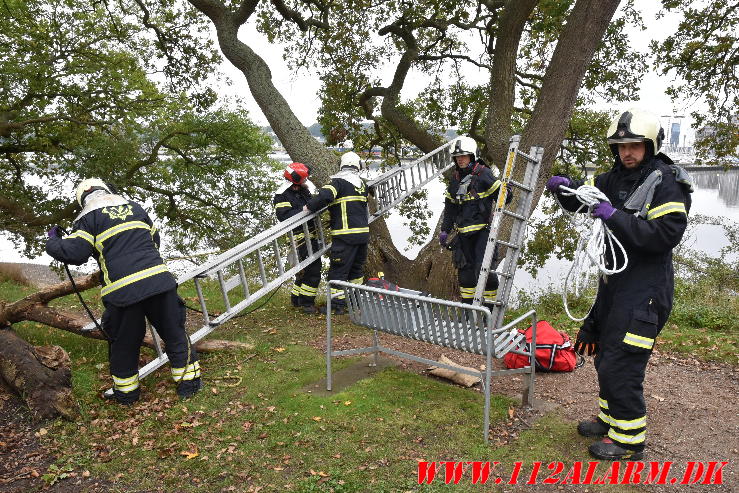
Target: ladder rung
pixel 519 185
pixel 509 245
pixel 513 214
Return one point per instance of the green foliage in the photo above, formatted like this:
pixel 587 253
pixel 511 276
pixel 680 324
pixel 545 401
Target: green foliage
pixel 702 56
pixel 56 473
pixel 89 90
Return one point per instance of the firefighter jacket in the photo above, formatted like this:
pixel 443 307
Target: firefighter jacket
pixel 125 243
pixel 346 197
pixel 289 202
pixel 633 305
pixel 470 198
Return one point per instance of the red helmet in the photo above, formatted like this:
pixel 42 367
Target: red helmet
pixel 296 173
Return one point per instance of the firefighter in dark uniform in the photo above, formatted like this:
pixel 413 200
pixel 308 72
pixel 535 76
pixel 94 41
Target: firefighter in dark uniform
pixel 469 200
pixel 649 203
pixel 289 201
pixel 346 196
pixel 136 285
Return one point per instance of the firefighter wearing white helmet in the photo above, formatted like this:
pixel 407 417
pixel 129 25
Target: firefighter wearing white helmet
pixel 469 199
pixel 346 196
pixel 136 285
pixel 647 210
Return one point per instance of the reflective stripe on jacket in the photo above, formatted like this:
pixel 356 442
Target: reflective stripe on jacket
pixel 470 209
pixel 347 208
pixel 289 203
pixel 125 244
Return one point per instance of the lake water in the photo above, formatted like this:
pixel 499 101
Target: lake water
pixel 717 194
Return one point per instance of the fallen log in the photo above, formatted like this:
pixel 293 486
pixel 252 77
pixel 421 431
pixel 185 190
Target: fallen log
pixel 41 375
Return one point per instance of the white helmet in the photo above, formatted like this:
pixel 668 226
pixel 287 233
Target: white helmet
pixel 463 146
pixel 350 160
pixel 88 185
pixel 635 125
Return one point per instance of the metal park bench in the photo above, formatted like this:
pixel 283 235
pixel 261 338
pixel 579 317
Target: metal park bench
pixel 460 326
pixel 471 328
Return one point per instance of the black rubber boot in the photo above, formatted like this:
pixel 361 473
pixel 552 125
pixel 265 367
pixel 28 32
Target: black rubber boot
pixel 592 428
pixel 122 399
pixel 189 388
pixel 310 309
pixel 295 300
pixel 606 449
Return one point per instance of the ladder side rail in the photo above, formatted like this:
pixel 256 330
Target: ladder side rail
pixel 495 223
pixel 264 238
pixel 404 195
pixel 517 235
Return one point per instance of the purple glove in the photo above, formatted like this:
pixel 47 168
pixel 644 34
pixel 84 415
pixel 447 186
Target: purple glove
pixel 54 232
pixel 442 238
pixel 604 210
pixel 554 183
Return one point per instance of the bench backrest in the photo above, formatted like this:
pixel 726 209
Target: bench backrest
pixel 410 314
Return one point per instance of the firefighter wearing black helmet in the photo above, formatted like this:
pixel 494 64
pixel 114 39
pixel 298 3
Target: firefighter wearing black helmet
pixel 136 286
pixel 469 200
pixel 648 213
pixel 289 201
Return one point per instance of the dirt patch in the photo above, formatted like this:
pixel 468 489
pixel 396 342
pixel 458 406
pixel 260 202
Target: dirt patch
pixel 24 461
pixel 692 406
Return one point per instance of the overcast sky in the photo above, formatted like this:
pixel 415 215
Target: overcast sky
pixel 301 90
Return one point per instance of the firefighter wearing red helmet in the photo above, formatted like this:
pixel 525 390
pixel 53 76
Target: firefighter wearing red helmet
pixel 289 201
pixel 647 211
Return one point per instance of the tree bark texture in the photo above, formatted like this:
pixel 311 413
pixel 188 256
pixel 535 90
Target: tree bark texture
pixel 41 375
pixel 432 271
pixel 298 142
pixel 586 26
pixel 503 78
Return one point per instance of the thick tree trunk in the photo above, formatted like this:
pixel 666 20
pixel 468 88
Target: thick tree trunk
pixel 586 26
pixel 298 142
pixel 503 78
pixel 42 376
pixel 431 271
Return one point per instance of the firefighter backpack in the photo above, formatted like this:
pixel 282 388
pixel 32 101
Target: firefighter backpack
pixel 554 351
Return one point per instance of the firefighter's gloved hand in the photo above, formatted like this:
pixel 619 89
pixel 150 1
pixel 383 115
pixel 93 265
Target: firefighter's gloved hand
pixel 54 232
pixel 604 210
pixel 555 182
pixel 586 343
pixel 442 238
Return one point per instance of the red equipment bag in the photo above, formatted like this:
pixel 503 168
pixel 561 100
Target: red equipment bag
pixel 554 351
pixel 380 282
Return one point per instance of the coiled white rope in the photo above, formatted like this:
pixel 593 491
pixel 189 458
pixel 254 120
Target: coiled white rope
pixel 595 240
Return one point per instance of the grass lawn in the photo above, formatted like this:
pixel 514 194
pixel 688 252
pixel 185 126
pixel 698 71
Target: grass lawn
pixel 256 428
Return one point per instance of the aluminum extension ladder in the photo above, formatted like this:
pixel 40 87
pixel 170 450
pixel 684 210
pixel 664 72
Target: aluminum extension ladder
pixel 273 253
pixel 513 241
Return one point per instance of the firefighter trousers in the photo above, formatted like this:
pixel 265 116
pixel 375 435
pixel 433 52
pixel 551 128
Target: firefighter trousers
pixel 126 328
pixel 347 264
pixel 621 397
pixel 473 247
pixel 306 282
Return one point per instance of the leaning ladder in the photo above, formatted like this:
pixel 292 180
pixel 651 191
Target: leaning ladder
pixel 511 239
pixel 267 252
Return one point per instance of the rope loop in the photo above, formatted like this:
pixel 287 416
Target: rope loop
pixel 595 242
